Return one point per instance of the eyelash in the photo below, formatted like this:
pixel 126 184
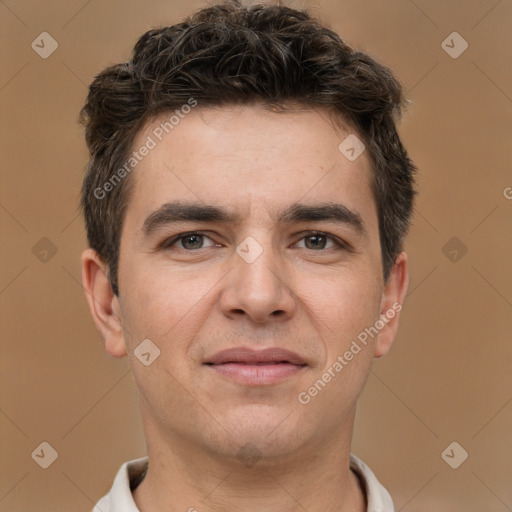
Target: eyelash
pixel 168 243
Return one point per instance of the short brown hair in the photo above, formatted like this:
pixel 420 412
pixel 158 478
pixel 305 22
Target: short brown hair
pixel 226 54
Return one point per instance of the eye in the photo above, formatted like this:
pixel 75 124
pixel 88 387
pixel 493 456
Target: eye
pixel 195 240
pixel 189 241
pixel 319 241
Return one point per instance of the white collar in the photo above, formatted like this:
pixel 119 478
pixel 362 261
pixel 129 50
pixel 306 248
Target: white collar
pixel 120 498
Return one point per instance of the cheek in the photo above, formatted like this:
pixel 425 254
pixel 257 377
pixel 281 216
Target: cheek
pixel 348 307
pixel 163 306
pixel 345 304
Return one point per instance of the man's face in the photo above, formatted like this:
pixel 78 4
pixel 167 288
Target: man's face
pixel 309 285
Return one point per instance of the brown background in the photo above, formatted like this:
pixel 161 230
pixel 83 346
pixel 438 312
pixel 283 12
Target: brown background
pixel 448 377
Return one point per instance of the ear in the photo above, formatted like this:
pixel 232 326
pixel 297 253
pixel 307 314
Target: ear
pixel 103 304
pixel 393 297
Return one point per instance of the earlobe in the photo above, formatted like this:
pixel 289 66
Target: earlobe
pixel 103 304
pixel 393 298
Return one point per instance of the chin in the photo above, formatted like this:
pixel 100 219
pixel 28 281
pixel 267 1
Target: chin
pixel 259 434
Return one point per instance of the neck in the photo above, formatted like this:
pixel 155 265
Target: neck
pixel 184 477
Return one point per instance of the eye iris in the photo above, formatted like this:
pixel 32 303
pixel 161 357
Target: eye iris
pixel 196 241
pixel 318 241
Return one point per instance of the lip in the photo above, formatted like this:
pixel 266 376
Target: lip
pixel 248 355
pixel 256 367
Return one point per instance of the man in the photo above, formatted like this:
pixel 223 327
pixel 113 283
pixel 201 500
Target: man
pixel 246 203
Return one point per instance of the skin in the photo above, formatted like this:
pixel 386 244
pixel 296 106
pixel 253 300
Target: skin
pixel 194 302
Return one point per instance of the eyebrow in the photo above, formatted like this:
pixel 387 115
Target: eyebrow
pixel 173 212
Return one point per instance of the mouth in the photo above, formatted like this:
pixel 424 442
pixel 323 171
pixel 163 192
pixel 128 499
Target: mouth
pixel 256 367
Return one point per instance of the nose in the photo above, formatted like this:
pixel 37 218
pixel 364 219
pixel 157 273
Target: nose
pixel 258 289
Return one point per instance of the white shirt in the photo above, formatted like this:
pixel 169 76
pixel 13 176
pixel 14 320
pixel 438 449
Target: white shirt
pixel 131 473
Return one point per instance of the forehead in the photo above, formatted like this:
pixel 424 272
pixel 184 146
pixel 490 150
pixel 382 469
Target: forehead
pixel 249 160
